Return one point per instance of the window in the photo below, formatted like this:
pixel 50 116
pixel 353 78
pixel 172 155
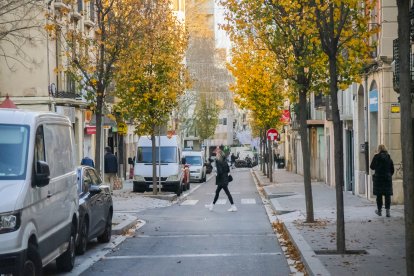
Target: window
pixel 168 155
pixel 13 149
pixel 193 160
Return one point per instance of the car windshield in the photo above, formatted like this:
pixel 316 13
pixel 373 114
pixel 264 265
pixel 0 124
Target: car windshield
pixel 13 151
pixel 168 155
pixel 193 160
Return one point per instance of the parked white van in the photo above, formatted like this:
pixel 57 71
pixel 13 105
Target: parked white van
pixel 195 159
pixel 38 192
pixel 171 168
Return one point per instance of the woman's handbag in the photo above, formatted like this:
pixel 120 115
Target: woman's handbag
pixel 230 178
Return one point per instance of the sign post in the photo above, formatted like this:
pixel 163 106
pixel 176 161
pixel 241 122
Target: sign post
pixel 272 135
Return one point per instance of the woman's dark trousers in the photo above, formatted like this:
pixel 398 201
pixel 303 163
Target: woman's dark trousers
pixel 226 189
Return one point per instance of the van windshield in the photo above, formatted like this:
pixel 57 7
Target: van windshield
pixel 168 155
pixel 193 160
pixel 13 151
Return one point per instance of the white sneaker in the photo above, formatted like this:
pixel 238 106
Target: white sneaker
pixel 210 206
pixel 233 208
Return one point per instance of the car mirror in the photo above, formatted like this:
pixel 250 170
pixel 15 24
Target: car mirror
pixel 42 176
pixel 183 161
pixel 130 161
pixel 94 189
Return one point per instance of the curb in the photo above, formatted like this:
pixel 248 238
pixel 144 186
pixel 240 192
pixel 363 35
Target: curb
pixel 127 223
pixel 313 265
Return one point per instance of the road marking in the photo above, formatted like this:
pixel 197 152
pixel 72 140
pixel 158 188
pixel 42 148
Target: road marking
pixel 221 201
pixel 190 202
pixel 193 255
pixel 248 201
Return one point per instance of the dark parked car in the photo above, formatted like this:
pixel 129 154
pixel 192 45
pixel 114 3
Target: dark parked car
pixel 95 208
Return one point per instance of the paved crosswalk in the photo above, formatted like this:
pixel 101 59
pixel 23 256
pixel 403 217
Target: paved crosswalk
pixel 244 201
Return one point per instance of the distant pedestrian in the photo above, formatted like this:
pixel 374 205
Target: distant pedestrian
pixel 222 180
pixel 232 160
pixel 87 162
pixel 110 168
pixel 382 178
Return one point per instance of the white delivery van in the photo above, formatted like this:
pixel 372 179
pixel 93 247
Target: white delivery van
pixel 38 192
pixel 195 160
pixel 171 168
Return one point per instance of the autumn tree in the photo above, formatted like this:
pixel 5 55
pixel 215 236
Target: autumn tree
pixel 283 28
pixel 93 53
pixel 206 116
pixel 406 88
pixel 344 33
pixel 21 22
pixel 258 87
pixel 150 74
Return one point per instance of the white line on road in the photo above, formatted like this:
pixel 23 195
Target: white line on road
pixel 248 201
pixel 190 202
pixel 194 255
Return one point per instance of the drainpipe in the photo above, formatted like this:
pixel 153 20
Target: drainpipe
pixel 366 97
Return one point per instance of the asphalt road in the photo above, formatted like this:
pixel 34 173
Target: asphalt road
pixel 188 239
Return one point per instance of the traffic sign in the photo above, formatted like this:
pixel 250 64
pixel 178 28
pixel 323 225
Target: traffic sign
pixel 272 134
pixel 122 128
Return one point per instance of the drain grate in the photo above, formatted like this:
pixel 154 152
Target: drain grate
pixel 277 195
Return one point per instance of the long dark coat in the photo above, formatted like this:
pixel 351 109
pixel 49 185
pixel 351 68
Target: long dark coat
pixel 223 170
pixel 384 169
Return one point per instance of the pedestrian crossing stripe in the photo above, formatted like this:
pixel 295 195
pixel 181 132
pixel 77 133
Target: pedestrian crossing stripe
pixel 248 201
pixel 190 202
pixel 244 201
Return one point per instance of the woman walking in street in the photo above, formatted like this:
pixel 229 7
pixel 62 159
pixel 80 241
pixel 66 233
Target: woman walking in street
pixel 222 180
pixel 384 169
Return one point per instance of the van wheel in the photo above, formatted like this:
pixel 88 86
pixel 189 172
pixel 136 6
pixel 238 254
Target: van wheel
pixel 82 238
pixel 32 266
pixel 137 189
pixel 106 235
pixel 66 261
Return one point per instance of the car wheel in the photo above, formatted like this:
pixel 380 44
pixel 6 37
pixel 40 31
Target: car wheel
pixel 106 235
pixel 179 189
pixel 82 238
pixel 66 261
pixel 32 266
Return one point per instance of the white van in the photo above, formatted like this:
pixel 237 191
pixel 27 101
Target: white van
pixel 195 159
pixel 171 167
pixel 38 192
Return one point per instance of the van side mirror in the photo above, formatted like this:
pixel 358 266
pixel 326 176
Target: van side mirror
pixel 42 175
pixel 183 161
pixel 130 161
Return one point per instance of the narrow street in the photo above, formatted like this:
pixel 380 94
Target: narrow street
pixel 188 239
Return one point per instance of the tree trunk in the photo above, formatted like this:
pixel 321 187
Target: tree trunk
pixel 98 135
pixel 339 161
pixel 261 152
pixel 154 164
pixel 303 130
pixel 270 161
pixel 406 130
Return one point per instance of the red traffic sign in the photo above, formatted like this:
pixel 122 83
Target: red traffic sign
pixel 272 134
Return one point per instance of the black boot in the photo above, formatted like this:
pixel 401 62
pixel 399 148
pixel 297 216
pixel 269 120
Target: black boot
pixel 378 212
pixel 387 211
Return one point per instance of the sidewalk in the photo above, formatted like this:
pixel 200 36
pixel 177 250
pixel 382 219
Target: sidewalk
pixel 382 238
pixel 127 203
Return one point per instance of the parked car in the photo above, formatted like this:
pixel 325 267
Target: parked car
pixel 38 192
pixel 95 208
pixel 195 160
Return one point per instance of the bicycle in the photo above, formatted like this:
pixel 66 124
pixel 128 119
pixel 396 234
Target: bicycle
pixel 399 170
